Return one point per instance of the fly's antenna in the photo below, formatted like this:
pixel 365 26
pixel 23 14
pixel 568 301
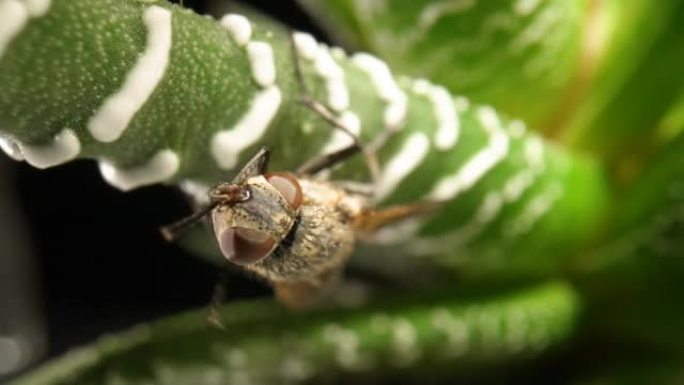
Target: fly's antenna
pixel 172 231
pixel 223 194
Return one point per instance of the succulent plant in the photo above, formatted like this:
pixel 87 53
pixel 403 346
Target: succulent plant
pixel 550 131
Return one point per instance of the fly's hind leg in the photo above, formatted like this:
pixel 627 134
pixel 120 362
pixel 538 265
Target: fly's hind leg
pixel 371 220
pixel 217 299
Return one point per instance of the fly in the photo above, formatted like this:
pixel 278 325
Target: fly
pixel 295 231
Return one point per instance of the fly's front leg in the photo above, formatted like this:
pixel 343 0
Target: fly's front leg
pixel 330 160
pixel 258 165
pixel 327 161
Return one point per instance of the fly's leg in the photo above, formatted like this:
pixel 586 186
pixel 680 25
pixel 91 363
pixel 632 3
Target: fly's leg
pixel 217 299
pixel 327 161
pixel 371 220
pixel 258 165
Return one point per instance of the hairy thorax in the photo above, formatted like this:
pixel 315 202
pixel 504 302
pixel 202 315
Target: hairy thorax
pixel 320 241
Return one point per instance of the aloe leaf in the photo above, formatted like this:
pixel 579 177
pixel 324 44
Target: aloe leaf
pixel 603 78
pixel 643 260
pixel 159 94
pixel 520 56
pixel 262 343
pixel 647 219
pixel 634 85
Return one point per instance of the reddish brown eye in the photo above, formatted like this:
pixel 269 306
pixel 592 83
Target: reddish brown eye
pixel 288 186
pixel 245 246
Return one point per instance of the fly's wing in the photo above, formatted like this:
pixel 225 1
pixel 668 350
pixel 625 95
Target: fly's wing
pixel 197 193
pixel 256 166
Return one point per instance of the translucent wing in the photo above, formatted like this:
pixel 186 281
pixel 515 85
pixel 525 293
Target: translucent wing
pixel 256 166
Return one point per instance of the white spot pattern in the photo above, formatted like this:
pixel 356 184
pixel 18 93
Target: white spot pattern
pixel 239 27
pixel 408 158
pixel 337 93
pixel 117 111
pixel 260 56
pixel 341 139
pixel 332 73
pixel 196 190
pixel 294 369
pixel 455 330
pixel 347 345
pixel 437 10
pixel 10 147
pixel 13 18
pixel 15 14
pixel 445 113
pixel 386 87
pixel 525 7
pixel 539 29
pixel 405 339
pixel 159 168
pixel 513 188
pixel 227 145
pixel 37 8
pixel 306 45
pixel 533 211
pixel 478 166
pixel 64 148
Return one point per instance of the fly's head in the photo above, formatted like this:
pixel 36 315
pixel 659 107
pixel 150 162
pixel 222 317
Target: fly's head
pixel 253 216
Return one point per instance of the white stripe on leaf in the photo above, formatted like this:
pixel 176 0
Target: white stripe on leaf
pixel 480 164
pixel 62 149
pixel 227 145
pixel 117 111
pixel 239 28
pixel 159 168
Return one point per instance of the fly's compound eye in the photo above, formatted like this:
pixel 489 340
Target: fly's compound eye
pixel 288 186
pixel 244 246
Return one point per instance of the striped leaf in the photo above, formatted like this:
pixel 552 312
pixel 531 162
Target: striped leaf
pixel 263 344
pixel 521 56
pixel 634 85
pixel 159 94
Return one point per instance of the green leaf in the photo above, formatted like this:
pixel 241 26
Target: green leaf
pixel 519 56
pixel 207 113
pixel 635 84
pixel 646 225
pixel 642 259
pixel 262 343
